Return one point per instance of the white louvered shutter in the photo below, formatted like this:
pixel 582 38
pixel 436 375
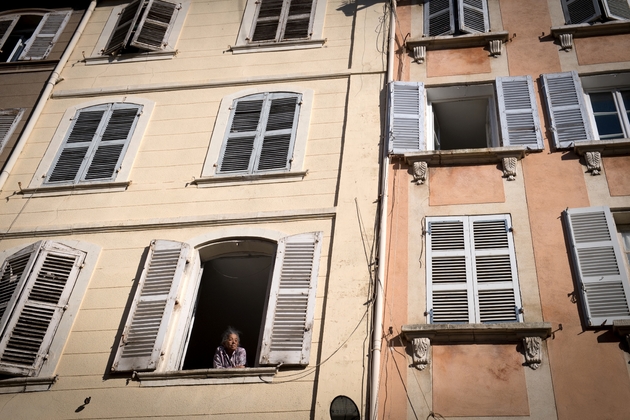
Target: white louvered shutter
pixel 473 16
pixel 495 279
pixel 406 117
pixel 268 18
pixel 299 21
pixel 46 34
pixel 38 311
pixel 155 25
pixel 6 26
pixel 9 119
pixel 449 271
pixel 598 263
pixel 146 327
pixel 291 308
pixel 278 130
pixel 439 17
pixel 581 11
pixel 96 144
pixel 518 112
pixel 567 109
pixel 238 147
pixel 617 9
pixel 126 22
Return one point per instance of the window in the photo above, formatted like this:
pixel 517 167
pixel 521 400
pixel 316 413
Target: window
pixel 281 24
pixel 463 117
pixel 471 270
pixel 94 144
pixel 588 11
pixel 275 283
pixel 9 119
pixel 30 36
pixel 455 17
pixel 598 261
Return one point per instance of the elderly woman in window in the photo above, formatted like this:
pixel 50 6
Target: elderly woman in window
pixel 229 354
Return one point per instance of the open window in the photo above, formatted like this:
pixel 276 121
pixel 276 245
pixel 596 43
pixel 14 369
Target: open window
pixel 266 289
pixel 455 17
pixel 589 11
pixel 30 36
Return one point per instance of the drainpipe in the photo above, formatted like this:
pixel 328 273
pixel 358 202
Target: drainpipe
pixel 39 107
pixel 379 300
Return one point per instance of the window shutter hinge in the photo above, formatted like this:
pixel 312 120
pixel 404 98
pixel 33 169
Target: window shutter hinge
pixel 46 356
pixel 65 308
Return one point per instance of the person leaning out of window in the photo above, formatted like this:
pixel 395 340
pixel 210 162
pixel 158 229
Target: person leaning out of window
pixel 229 354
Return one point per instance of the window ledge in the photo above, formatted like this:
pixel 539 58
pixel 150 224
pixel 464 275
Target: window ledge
pixel 467 156
pixel 255 47
pixel 46 191
pixel 604 147
pixel 207 376
pixel 459 41
pixel 583 30
pixel 621 327
pixel 130 58
pixel 224 181
pixel 17 385
pixel 27 66
pixel 477 333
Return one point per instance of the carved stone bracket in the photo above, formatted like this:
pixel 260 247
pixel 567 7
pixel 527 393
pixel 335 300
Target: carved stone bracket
pixel 494 46
pixel 420 172
pixel 533 352
pixel 509 167
pixel 593 162
pixel 566 41
pixel 419 54
pixel 421 352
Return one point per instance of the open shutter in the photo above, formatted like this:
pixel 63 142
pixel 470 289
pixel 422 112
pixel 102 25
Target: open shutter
pixel 567 109
pixel 238 147
pixel 473 16
pixel 518 112
pixel 143 337
pixel 155 25
pixel 291 307
pixel 299 20
pixel 9 119
pixel 598 263
pixel 33 323
pixel 495 279
pixel 406 117
pixel 439 17
pixel 617 9
pixel 278 132
pixel 581 11
pixel 6 26
pixel 45 36
pixel 449 271
pixel 125 25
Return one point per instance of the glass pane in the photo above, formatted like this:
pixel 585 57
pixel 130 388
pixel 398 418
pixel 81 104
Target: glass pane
pixel 606 116
pixel 626 240
pixel 603 102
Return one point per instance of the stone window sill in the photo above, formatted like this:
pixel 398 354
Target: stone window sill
pixel 459 41
pixel 584 30
pixel 467 156
pixel 130 58
pixel 229 180
pixel 55 190
pixel 507 332
pixel 18 385
pixel 604 147
pixel 255 47
pixel 207 376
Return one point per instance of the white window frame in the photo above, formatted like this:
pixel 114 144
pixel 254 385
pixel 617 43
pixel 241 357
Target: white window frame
pixel 613 83
pixel 24 53
pixel 243 44
pixel 46 373
pixel 167 53
pixel 296 172
pixel 38 185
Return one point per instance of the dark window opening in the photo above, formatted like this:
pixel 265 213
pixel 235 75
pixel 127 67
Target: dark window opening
pixel 21 33
pixel 462 124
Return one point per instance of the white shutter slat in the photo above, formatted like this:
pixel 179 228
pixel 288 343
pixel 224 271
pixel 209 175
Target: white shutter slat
pixel 518 112
pixel 473 16
pixel 279 133
pixel 617 9
pixel 567 109
pixel 9 119
pixel 33 323
pixel 291 307
pixel 599 266
pixel 406 117
pixel 155 25
pixel 581 11
pixel 439 17
pixel 46 34
pixel 125 25
pixel 145 330
pixel 299 20
pixel 6 26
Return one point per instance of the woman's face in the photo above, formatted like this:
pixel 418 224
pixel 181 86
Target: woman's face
pixel 231 343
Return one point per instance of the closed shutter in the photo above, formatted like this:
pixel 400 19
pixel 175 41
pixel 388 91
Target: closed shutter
pixel 155 25
pixel 406 117
pixel 449 271
pixel 96 144
pixel 6 26
pixel 518 112
pixel 617 9
pixel 45 36
pixel 580 11
pixel 145 330
pixel 567 109
pixel 9 119
pixel 598 263
pixel 299 20
pixel 278 132
pixel 125 25
pixel 473 16
pixel 238 147
pixel 33 323
pixel 439 17
pixel 495 279
pixel 268 16
pixel 291 308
